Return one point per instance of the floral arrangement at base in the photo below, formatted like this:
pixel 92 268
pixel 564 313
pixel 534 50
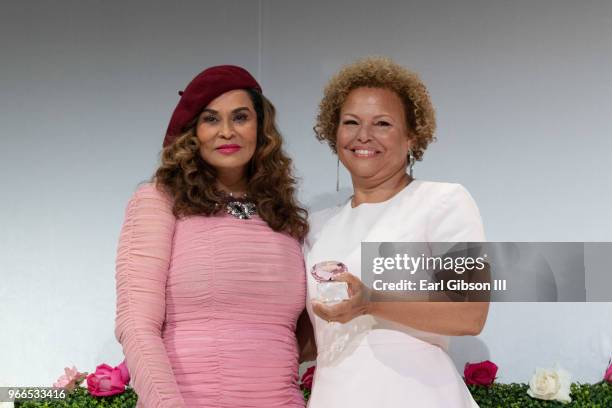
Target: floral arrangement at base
pixel 515 396
pixel 81 398
pixel 106 387
pixel 548 388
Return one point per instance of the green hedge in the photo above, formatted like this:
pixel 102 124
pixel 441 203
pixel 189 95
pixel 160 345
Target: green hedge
pixel 515 396
pixel 80 398
pixel 497 396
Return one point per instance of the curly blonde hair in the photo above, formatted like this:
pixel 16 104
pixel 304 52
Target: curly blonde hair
pixel 191 181
pixel 378 72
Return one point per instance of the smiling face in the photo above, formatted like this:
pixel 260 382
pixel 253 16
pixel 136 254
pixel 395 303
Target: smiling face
pixel 372 138
pixel 227 131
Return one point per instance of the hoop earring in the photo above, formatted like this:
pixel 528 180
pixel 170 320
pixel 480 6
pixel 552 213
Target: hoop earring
pixel 411 161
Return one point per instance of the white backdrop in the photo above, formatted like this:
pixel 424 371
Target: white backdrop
pixel 523 97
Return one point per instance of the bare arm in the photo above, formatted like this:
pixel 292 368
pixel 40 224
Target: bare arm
pixel 305 337
pixel 447 318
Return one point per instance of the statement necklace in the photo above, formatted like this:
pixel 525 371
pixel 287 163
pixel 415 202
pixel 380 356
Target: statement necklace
pixel 242 208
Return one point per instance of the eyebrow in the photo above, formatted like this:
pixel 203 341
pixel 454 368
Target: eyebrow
pixel 240 109
pixel 375 117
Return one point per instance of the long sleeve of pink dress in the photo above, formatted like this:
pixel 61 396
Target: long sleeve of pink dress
pixel 143 258
pixel 207 307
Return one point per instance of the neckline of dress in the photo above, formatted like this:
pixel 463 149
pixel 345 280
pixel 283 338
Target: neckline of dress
pixel 406 188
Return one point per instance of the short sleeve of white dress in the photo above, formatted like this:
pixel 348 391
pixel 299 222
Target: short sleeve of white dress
pixel 455 218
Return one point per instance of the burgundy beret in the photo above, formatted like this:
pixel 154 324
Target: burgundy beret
pixel 202 89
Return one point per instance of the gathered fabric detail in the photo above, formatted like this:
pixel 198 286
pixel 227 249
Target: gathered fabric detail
pixel 207 307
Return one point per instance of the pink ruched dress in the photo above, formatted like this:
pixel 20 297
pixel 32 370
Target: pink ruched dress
pixel 207 308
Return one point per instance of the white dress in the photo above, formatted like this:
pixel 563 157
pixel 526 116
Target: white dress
pixel 371 362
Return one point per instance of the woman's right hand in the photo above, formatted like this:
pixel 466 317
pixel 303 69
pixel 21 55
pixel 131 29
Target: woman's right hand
pixel 356 305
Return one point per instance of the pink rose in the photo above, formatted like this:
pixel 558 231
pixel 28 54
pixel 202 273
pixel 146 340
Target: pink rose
pixel 61 382
pixel 307 378
pixel 70 379
pixel 107 380
pixel 125 374
pixel 482 373
pixel 608 374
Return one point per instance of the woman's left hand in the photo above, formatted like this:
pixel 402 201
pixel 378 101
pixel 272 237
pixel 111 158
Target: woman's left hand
pixel 356 305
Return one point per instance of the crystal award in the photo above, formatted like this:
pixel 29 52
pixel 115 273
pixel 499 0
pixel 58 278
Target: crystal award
pixel 327 290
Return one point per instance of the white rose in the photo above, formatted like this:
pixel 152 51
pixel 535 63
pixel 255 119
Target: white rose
pixel 550 384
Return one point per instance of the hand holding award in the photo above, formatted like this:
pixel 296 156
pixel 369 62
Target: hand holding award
pixel 328 291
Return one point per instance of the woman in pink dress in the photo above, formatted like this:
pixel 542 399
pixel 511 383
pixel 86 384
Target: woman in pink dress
pixel 210 272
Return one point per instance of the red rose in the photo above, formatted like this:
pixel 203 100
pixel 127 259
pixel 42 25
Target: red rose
pixel 482 373
pixel 307 378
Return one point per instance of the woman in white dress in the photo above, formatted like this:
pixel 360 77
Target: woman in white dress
pixel 378 118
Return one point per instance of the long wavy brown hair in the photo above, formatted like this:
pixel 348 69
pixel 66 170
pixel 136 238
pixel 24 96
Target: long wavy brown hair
pixel 192 182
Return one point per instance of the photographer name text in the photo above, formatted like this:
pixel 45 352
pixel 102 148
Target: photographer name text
pixel 451 284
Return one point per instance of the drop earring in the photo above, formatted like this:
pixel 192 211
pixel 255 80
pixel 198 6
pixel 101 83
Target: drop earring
pixel 411 161
pixel 338 174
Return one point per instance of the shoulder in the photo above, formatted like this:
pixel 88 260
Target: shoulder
pixel 317 221
pixel 319 217
pixel 453 215
pixel 439 192
pixel 149 196
pixel 439 197
pixel 149 191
